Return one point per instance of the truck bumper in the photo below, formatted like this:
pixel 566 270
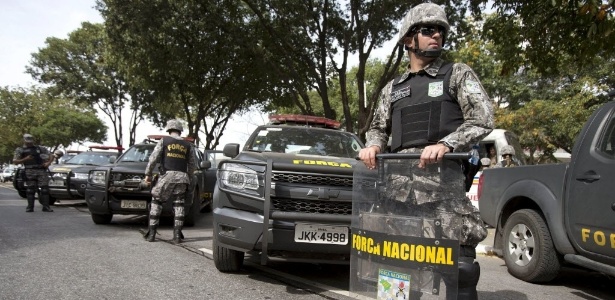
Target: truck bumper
pixel 100 201
pixel 243 231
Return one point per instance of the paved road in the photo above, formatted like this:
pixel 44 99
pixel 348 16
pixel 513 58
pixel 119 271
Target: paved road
pixel 80 252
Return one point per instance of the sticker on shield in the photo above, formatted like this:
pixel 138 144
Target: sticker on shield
pixel 436 89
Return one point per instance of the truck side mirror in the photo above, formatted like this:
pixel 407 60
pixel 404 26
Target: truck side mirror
pixel 112 159
pixel 231 150
pixel 205 164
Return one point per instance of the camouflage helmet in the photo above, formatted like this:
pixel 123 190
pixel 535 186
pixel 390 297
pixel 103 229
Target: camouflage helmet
pixel 508 149
pixel 58 153
pixel 424 13
pixel 174 124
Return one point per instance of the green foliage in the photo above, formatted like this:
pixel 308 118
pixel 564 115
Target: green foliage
pixel 52 121
pixel 197 59
pixel 538 32
pixel 80 68
pixel 546 110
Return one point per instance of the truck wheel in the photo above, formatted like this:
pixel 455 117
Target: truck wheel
pixel 528 248
pixel 52 200
pixel 225 259
pixel 22 194
pixel 102 218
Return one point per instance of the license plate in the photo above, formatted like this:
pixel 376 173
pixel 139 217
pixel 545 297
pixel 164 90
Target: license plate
pixel 321 234
pixel 56 182
pixel 133 204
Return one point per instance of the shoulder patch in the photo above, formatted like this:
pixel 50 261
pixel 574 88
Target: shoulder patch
pixel 473 87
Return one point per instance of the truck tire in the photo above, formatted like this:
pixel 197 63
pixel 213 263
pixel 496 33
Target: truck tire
pixel 102 218
pixel 22 194
pixel 52 200
pixel 528 248
pixel 225 259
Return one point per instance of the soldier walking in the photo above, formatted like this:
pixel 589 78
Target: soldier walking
pixel 177 164
pixel 36 160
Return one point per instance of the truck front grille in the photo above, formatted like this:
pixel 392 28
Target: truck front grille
pixel 313 179
pixel 59 176
pixel 126 176
pixel 312 206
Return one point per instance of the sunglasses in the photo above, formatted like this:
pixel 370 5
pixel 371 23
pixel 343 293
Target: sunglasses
pixel 430 30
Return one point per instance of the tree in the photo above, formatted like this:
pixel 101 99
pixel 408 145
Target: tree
pixel 80 68
pixel 538 32
pixel 193 56
pixel 52 121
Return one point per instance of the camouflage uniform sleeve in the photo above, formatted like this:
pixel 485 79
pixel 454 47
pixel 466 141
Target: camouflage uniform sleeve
pixel 154 158
pixel 17 153
pixel 380 128
pixel 475 105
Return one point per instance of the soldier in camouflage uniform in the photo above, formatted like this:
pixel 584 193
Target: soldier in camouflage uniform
pixel 177 164
pixel 435 107
pixel 36 160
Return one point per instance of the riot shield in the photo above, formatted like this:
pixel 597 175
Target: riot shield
pixel 405 240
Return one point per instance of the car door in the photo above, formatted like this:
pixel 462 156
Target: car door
pixel 589 200
pixel 214 156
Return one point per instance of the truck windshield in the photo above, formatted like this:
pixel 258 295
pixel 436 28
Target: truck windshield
pixel 138 153
pixel 305 140
pixel 91 158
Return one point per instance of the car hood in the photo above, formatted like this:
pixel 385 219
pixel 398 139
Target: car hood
pixel 303 162
pixel 128 167
pixel 65 168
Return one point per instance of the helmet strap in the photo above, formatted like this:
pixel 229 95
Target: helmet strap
pixel 424 53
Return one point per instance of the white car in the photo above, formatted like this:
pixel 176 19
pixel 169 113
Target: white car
pixel 7 175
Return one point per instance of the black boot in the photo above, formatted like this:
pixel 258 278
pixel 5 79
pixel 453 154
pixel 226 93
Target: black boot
pixel 469 274
pixel 30 197
pixel 150 235
pixel 178 236
pixel 43 198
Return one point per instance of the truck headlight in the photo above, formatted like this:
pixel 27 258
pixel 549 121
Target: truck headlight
pixel 82 176
pixel 239 177
pixel 97 177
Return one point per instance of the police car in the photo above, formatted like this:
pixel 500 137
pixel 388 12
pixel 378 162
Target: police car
pixel 287 195
pixel 118 188
pixel 69 179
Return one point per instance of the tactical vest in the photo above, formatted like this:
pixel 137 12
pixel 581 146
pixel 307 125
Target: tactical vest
pixel 175 154
pixel 35 151
pixel 422 109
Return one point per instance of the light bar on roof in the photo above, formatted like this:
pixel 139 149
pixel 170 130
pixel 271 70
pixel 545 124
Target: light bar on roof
pixel 101 147
pixel 157 137
pixel 303 119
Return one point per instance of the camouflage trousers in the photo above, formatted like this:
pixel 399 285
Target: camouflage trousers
pixel 35 179
pixel 437 191
pixel 167 190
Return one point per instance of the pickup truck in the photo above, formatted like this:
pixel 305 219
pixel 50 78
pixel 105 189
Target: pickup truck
pixel 547 216
pixel 118 188
pixel 287 196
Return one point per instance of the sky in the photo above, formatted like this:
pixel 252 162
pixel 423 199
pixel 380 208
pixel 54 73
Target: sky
pixel 24 27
